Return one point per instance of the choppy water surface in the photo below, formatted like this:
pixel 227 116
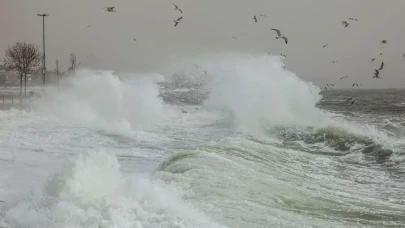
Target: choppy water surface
pixel 234 142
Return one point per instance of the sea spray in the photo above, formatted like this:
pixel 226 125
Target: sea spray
pixel 102 100
pixel 257 91
pixel 90 191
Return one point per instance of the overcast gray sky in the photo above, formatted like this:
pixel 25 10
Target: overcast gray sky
pixel 209 25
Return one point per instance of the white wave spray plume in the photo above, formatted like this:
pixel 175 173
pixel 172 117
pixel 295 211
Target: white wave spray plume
pixel 257 91
pixel 101 100
pixel 91 191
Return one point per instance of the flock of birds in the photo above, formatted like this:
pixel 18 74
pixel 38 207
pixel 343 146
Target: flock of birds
pixel 176 22
pixel 257 17
pixel 377 71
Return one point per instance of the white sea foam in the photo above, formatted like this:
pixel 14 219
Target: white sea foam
pixel 91 191
pixel 101 100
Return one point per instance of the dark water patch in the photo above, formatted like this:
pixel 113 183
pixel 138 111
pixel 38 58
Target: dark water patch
pixel 168 164
pixel 341 141
pixel 189 97
pixel 368 101
pixel 377 152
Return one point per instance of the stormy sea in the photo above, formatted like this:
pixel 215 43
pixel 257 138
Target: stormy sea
pixel 233 140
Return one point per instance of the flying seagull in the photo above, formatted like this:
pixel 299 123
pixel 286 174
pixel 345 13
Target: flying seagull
pixel 352 102
pixel 381 53
pixel 382 66
pixel 384 41
pixel 134 39
pixel 345 23
pixel 324 46
pixel 355 84
pixel 280 36
pixel 260 15
pixel 277 31
pixel 372 60
pixel 353 19
pixel 234 37
pixel 177 8
pixel 177 22
pixel 88 26
pixel 283 55
pixel 344 77
pixel 334 61
pixel 255 18
pixel 285 39
pixel 332 85
pixel 110 9
pixel 376 74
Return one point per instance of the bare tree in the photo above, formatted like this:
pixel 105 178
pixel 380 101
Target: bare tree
pixel 73 65
pixel 23 58
pixel 73 61
pixel 57 70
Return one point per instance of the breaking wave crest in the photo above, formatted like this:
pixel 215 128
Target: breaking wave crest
pixel 90 191
pixel 256 152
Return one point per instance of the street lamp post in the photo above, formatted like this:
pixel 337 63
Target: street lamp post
pixel 43 44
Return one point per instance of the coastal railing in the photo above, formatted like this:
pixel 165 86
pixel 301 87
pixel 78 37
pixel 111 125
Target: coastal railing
pixel 12 98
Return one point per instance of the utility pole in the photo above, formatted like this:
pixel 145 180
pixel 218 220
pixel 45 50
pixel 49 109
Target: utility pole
pixel 43 44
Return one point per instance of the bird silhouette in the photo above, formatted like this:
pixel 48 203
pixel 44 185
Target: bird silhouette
pixel 376 74
pixel 352 102
pixel 334 61
pixel 353 19
pixel 372 60
pixel 110 9
pixel 384 41
pixel 177 8
pixel 324 46
pixel 345 23
pixel 344 77
pixel 382 66
pixel 280 36
pixel 255 17
pixel 176 22
pixel 277 31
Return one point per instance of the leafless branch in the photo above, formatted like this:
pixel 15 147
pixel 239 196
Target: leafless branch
pixel 23 58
